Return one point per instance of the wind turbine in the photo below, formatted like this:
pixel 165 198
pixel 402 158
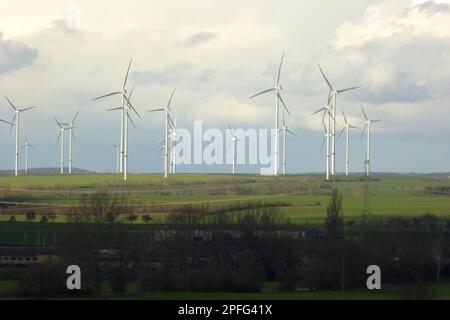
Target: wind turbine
pixel 347 128
pixel 332 98
pixel 62 128
pixel 26 146
pixel 234 140
pixel 126 111
pixel 123 93
pixel 368 126
pixel 71 137
pixel 167 109
pixel 17 118
pixel 277 89
pixel 117 149
pixel 326 112
pixel 285 130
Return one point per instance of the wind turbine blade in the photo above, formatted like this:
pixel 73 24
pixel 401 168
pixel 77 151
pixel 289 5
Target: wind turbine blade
pixel 329 97
pixel 340 134
pixel 282 102
pixel 323 116
pixel 10 103
pixel 323 74
pixel 13 122
pixel 331 114
pixel 228 146
pixel 229 127
pixel 131 93
pixel 7 122
pixel 107 95
pixel 265 91
pixel 25 109
pixel 134 110
pixel 345 118
pixel 76 115
pixel 289 131
pixel 132 123
pixel 322 109
pixel 154 110
pixel 348 89
pixel 353 127
pixel 376 121
pixel 323 144
pixel 171 97
pixel 284 120
pixel 73 137
pixel 364 131
pixel 59 137
pixel 364 112
pixel 57 122
pixel 126 76
pixel 119 108
pixel 170 121
pixel 131 106
pixel 279 69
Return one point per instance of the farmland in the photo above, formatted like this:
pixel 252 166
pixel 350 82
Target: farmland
pixel 305 197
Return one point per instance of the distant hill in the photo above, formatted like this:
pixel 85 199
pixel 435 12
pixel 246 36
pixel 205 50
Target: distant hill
pixel 45 171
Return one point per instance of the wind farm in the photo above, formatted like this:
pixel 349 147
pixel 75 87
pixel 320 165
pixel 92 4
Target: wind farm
pixel 210 151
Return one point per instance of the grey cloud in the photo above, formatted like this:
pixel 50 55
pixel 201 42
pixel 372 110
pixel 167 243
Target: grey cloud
pixel 15 55
pixel 403 89
pixel 432 7
pixel 200 38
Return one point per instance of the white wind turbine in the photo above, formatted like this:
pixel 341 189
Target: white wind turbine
pixel 26 146
pixel 16 121
pixel 167 109
pixel 233 143
pixel 277 89
pixel 285 130
pixel 71 137
pixel 126 111
pixel 367 126
pixel 332 98
pixel 123 121
pixel 326 112
pixel 347 128
pixel 62 127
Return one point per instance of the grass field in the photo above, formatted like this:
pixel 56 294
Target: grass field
pixel 307 195
pixel 389 292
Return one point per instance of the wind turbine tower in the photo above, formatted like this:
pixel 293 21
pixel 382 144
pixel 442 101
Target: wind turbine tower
pixel 16 121
pixel 277 89
pixel 368 127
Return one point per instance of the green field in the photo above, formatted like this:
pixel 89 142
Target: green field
pixel 307 195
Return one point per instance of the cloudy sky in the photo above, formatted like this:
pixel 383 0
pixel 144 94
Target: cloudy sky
pixel 59 54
